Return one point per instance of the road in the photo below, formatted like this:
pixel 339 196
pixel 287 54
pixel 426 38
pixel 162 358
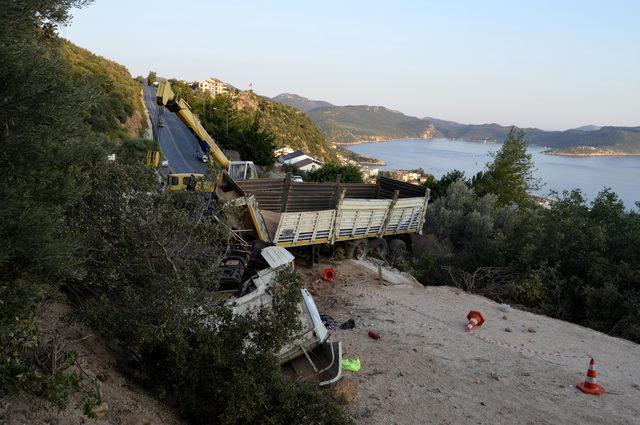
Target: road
pixel 178 144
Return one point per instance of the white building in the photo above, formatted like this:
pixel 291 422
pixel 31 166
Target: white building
pixel 300 160
pixel 213 86
pixel 308 164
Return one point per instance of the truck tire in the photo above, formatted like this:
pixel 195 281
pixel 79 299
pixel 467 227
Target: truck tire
pixel 358 249
pixel 397 250
pixel 378 248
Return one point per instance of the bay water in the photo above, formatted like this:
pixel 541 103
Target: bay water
pixel 557 173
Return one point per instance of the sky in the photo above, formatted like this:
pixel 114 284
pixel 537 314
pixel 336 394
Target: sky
pixel 546 64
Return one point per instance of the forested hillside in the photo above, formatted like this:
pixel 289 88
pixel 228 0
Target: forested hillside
pixel 290 126
pixel 353 123
pixel 117 108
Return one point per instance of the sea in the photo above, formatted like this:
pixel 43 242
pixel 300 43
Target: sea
pixel 557 173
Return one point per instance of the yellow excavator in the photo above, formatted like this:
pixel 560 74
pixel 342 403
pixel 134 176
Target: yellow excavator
pixel 208 149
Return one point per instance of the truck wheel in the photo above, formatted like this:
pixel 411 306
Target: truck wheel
pixel 378 248
pixel 358 249
pixel 397 250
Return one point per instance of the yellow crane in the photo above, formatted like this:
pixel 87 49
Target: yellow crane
pixel 238 170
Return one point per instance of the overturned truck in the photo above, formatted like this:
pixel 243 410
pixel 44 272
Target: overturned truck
pixel 280 214
pixel 364 217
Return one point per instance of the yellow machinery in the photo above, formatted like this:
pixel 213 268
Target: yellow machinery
pixel 152 159
pixel 189 181
pixel 238 170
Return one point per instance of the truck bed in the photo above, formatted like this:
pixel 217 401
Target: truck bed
pixel 296 214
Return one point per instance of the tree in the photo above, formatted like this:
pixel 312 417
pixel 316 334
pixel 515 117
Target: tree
pixel 256 144
pixel 329 172
pixel 47 148
pixel 439 187
pixel 510 175
pixel 151 78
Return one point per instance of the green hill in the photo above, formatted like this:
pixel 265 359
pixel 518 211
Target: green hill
pixel 353 123
pixel 290 126
pixel 116 108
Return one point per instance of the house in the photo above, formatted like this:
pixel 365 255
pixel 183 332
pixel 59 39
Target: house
pixel 308 164
pixel 299 160
pixel 213 86
pixel 294 157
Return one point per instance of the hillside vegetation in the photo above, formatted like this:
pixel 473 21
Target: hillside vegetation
pixel 228 116
pixel 117 108
pixel 140 266
pixel 348 124
pixel 574 260
pixel 290 126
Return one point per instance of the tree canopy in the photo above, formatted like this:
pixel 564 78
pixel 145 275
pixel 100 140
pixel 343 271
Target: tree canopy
pixel 510 175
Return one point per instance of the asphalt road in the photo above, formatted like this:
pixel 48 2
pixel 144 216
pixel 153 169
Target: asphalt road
pixel 179 146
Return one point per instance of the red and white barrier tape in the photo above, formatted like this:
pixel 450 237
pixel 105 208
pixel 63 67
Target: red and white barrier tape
pixel 484 338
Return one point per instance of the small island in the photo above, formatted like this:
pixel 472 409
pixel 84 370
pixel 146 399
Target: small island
pixel 588 151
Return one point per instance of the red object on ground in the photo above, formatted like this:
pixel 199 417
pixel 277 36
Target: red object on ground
pixel 329 274
pixel 374 335
pixel 475 319
pixel 590 384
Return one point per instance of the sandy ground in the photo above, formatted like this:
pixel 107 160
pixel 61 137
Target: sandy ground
pixel 98 362
pixel 426 369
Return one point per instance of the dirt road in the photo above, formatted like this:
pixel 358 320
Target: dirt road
pixel 519 368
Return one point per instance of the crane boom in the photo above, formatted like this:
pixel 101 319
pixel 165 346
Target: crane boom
pixel 166 97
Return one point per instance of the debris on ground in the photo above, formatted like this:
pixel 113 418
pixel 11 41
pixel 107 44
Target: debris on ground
pixel 446 373
pixel 328 322
pixel 349 324
pixel 352 365
pixel 374 335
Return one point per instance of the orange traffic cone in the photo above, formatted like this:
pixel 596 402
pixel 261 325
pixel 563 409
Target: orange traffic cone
pixel 475 319
pixel 329 274
pixel 590 386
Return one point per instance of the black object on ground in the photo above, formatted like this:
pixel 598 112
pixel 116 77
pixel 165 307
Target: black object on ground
pixel 349 324
pixel 328 321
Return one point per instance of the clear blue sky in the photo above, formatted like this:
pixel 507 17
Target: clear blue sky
pixel 549 64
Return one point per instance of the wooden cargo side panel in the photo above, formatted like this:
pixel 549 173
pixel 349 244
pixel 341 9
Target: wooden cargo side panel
pixel 268 192
pixel 388 186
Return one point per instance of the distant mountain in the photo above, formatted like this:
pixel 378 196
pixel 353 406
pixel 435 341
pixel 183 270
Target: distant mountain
pixel 353 123
pixel 360 123
pixel 299 102
pixel 588 128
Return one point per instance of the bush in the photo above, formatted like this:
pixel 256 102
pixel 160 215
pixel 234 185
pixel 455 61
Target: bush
pixel 573 261
pixel 329 173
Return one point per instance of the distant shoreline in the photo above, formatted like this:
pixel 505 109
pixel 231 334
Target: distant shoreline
pixel 587 155
pixel 403 139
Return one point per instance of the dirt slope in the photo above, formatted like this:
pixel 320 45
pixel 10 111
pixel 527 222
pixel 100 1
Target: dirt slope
pixel 426 369
pixel 99 362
